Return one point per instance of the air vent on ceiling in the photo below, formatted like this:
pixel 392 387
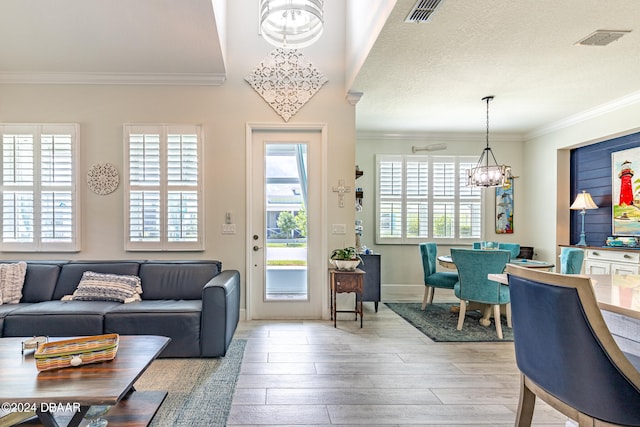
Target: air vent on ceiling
pixel 601 38
pixel 422 10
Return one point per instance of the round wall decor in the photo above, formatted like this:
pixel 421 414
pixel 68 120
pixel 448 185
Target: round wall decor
pixel 103 178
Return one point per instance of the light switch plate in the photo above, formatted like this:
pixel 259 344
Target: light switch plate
pixel 228 229
pixel 339 229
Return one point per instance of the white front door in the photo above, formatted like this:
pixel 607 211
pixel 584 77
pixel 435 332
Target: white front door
pixel 286 273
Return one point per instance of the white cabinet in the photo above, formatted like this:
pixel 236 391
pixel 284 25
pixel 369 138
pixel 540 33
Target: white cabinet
pixel 611 261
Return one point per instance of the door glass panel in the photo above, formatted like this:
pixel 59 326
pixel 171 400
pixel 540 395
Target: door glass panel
pixel 286 222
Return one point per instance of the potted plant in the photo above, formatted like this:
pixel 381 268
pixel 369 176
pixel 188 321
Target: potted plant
pixel 346 259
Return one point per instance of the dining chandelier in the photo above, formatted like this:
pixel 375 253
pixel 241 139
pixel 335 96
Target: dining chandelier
pixel 291 24
pixel 486 174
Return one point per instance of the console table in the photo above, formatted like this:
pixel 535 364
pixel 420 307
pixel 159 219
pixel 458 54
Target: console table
pixel 344 282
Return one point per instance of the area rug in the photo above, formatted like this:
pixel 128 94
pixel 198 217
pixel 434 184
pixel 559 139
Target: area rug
pixel 200 391
pixel 439 323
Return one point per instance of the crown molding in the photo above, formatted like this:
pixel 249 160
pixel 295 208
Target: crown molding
pixel 353 97
pixel 437 136
pixel 601 110
pixel 193 79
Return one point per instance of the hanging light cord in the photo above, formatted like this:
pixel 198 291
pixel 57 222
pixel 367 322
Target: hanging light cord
pixel 487 99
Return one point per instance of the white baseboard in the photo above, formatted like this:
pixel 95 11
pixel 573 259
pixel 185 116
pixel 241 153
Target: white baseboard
pixel 398 292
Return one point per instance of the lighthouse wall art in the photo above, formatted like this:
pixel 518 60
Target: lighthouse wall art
pixel 625 167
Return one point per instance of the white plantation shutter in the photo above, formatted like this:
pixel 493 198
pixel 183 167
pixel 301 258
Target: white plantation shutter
pixel 417 197
pixel 390 190
pixel 470 205
pixel 39 197
pixel 425 197
pixel 165 190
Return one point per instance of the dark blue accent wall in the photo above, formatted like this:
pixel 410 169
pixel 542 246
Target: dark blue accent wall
pixel 591 171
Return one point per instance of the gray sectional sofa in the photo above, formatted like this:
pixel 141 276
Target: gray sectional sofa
pixel 194 303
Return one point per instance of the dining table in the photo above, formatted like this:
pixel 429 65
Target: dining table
pixel 617 293
pixel 618 296
pixel 447 262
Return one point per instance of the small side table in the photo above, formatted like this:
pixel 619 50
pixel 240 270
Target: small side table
pixel 345 282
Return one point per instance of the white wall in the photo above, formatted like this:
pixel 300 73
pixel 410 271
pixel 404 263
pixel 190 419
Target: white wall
pixel 223 111
pixel 542 196
pixel 547 164
pixel 401 265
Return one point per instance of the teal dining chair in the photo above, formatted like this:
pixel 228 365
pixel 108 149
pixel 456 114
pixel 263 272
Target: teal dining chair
pixel 474 286
pixel 433 279
pixel 513 248
pixel 571 260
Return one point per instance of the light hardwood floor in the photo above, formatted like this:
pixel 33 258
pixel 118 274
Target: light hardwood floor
pixel 385 374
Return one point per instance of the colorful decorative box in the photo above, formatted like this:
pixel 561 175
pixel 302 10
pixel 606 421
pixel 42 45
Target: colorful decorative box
pixel 76 352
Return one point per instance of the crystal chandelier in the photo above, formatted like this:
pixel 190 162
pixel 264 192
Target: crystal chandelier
pixel 487 174
pixel 291 24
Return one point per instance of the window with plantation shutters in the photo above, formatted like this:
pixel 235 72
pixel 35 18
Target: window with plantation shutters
pixel 39 179
pixel 426 197
pixel 164 205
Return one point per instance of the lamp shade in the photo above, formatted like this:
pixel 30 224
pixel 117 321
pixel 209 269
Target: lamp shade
pixel 291 24
pixel 583 201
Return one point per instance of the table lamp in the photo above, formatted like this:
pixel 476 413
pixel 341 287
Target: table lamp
pixel 583 202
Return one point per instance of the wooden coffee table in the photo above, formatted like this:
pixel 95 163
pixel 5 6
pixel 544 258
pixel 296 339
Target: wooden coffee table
pixel 65 395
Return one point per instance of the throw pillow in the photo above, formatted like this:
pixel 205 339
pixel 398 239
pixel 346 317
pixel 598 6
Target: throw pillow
pixel 106 287
pixel 11 282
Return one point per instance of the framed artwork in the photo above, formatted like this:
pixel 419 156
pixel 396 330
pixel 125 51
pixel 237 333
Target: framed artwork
pixel 504 208
pixel 625 193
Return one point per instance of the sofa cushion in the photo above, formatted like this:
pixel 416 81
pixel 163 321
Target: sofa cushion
pixel 176 279
pixel 11 282
pixel 71 273
pixel 106 287
pixel 40 280
pixel 4 311
pixel 176 319
pixel 58 318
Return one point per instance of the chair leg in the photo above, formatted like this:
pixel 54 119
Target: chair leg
pixel 496 318
pixel 463 310
pixel 432 294
pixel 425 299
pixel 526 405
pixel 508 312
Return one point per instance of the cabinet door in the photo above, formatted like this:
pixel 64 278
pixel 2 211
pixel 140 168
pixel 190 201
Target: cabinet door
pixel 596 267
pixel 371 265
pixel 624 268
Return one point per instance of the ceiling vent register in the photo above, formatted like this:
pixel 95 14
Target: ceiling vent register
pixel 601 38
pixel 422 10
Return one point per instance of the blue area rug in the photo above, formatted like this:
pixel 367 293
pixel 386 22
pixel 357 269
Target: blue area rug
pixel 200 391
pixel 439 323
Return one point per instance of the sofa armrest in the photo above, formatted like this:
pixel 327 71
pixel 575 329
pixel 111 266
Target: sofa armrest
pixel 220 313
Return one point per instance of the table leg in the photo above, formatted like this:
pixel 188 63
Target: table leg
pixel 486 316
pixel 333 308
pixel 48 421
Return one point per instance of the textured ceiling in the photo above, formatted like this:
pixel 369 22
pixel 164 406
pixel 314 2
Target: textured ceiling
pixel 426 77
pixel 432 76
pixel 79 41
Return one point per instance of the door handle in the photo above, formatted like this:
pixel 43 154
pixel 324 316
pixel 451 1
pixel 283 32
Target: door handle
pixel 256 248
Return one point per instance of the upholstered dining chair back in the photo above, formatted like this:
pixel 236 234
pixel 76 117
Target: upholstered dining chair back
pixel 566 353
pixel 432 278
pixel 513 248
pixel 571 260
pixel 474 285
pixel 473 267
